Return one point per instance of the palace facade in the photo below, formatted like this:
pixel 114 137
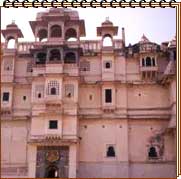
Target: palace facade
pixel 86 108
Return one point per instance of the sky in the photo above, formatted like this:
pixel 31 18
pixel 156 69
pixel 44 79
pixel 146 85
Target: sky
pixel 158 24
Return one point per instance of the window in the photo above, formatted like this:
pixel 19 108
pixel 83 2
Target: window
pixel 53 124
pixel 41 58
pixel 152 152
pixel 6 96
pixel 143 62
pixel 110 151
pixel 108 95
pixel 8 65
pixel 85 66
pixel 24 98
pixel 148 61
pixel 107 41
pixel 153 61
pixel 11 43
pixel 71 35
pixel 69 90
pixel 39 95
pixel 56 31
pixel 108 65
pixel 70 57
pixel 39 91
pixel 55 55
pixel 53 91
pixel 53 88
pixel 42 34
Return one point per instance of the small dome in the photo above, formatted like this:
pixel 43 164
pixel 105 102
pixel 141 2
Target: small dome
pixel 107 22
pixel 12 26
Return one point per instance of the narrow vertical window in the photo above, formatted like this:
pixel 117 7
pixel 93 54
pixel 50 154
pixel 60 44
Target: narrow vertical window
pixel 153 61
pixel 108 95
pixel 143 62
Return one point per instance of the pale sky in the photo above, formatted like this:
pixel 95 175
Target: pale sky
pixel 158 24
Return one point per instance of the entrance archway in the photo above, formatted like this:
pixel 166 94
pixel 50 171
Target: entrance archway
pixel 52 172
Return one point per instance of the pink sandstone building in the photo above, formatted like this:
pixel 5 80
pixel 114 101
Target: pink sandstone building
pixel 86 108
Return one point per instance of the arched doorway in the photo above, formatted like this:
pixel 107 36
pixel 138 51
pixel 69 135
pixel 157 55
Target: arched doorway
pixel 52 172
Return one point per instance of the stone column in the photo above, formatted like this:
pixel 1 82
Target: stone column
pixel 32 149
pixel 72 160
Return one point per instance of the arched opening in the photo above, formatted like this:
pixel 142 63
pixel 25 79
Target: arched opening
pixel 11 43
pixel 152 152
pixel 52 172
pixel 41 58
pixel 55 55
pixel 153 61
pixel 42 35
pixel 70 57
pixel 107 41
pixel 148 61
pixel 56 31
pixel 53 91
pixel 71 35
pixel 110 151
pixel 108 65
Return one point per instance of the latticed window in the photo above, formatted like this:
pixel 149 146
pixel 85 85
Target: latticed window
pixel 39 91
pixel 69 90
pixel 8 65
pixel 85 66
pixel 53 88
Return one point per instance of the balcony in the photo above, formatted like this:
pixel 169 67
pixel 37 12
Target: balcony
pixel 52 139
pixel 54 68
pixel 39 69
pixel 148 68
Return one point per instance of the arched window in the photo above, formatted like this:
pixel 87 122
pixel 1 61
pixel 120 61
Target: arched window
pixel 152 152
pixel 107 41
pixel 71 35
pixel 53 88
pixel 148 61
pixel 41 58
pixel 55 55
pixel 108 65
pixel 53 91
pixel 70 57
pixel 153 61
pixel 11 43
pixel 56 31
pixel 110 151
pixel 42 35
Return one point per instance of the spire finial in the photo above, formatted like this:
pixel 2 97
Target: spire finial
pixel 13 21
pixel 107 18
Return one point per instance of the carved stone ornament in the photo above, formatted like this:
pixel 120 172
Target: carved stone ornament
pixel 52 156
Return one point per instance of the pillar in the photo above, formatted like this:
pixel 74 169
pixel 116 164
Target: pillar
pixel 32 149
pixel 72 160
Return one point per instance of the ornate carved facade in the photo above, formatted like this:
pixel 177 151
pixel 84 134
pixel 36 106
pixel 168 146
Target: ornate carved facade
pixel 86 108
